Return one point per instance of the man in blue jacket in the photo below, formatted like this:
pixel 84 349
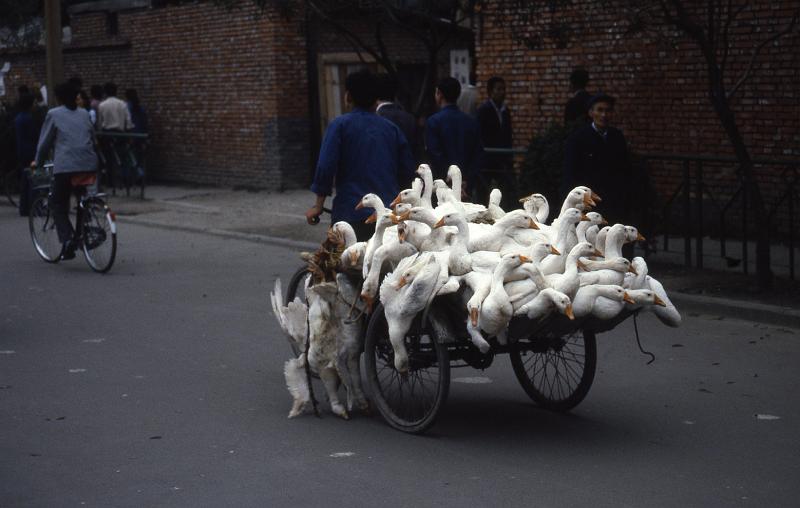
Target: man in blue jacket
pixel 453 137
pixel 361 153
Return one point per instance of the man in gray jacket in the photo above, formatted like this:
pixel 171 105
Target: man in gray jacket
pixel 68 131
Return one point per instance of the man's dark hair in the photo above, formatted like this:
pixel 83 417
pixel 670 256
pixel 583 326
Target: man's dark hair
pixel 493 82
pixel 96 91
pixel 76 82
pixel 602 97
pixel 66 95
pixel 450 88
pixel 361 85
pixel 110 88
pixel 25 102
pixel 386 87
pixel 579 78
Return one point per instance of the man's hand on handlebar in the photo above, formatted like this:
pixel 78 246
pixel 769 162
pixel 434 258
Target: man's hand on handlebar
pixel 312 214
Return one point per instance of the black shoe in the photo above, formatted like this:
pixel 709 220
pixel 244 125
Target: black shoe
pixel 68 251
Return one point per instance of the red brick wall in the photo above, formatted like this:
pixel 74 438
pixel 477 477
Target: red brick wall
pixel 226 91
pixel 662 93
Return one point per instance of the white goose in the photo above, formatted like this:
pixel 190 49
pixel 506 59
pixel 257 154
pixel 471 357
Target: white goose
pixel 502 232
pixel 537 206
pixel 595 220
pixel 567 222
pixel 372 201
pixel 353 254
pixel 586 297
pixel 437 238
pixel 384 221
pixel 454 177
pixel 545 302
pixel 608 272
pixel 496 310
pixel 393 252
pixel 495 211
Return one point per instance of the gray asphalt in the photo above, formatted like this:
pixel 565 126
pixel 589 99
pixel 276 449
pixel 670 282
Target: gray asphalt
pixel 160 384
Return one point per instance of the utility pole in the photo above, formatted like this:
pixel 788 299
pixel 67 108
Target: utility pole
pixel 55 62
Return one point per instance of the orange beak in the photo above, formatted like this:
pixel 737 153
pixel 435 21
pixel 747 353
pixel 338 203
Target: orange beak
pixel 604 222
pixel 395 219
pixel 404 216
pixel 368 300
pixel 473 316
pixel 640 238
pixel 627 298
pixel 439 224
pixel 371 219
pixel 524 259
pixel 402 282
pixel 354 258
pixel 531 224
pixel 582 266
pixel 522 200
pixel 401 235
pixel 633 270
pixel 398 199
pixel 584 217
pixel 597 253
pixel 568 312
pixel 596 197
pixel 553 250
pixel 360 205
pixel 587 201
pixel 659 301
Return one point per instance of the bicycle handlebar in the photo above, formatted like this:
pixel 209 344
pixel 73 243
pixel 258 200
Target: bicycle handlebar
pixel 315 220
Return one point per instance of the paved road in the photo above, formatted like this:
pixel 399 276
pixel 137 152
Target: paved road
pixel 161 384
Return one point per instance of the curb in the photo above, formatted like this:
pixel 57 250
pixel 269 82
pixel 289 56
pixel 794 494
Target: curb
pixel 249 237
pixel 737 309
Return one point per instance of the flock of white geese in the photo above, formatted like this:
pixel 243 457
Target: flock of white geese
pixel 503 263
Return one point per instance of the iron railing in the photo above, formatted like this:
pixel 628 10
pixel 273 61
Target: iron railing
pixel 123 156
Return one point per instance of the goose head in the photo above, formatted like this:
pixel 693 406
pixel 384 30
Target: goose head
pixel 579 198
pixel 638 266
pixel 645 297
pixel 516 219
pixel 440 184
pixel 419 214
pixel 370 201
pixel 453 174
pixel 384 220
pixel 402 208
pixel 618 264
pixel 450 219
pixel 583 249
pixel 572 216
pixel 540 250
pixel 612 292
pixel 632 235
pixel 411 196
pixel 561 301
pixel 344 233
pixel 495 197
pixel 595 219
pixel 595 197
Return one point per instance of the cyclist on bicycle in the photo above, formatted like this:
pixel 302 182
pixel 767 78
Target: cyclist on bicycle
pixel 68 129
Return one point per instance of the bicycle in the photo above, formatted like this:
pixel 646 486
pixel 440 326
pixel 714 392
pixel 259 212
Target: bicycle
pixel 95 226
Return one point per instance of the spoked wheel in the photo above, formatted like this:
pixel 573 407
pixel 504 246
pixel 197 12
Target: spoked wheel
pixel 410 402
pixel 43 231
pixel 556 372
pixel 99 236
pixel 296 287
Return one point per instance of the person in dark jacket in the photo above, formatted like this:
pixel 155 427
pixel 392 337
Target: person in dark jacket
pixel 361 153
pixel 26 138
pixel 453 137
pixel 597 156
pixel 576 111
pixel 394 112
pixel 495 122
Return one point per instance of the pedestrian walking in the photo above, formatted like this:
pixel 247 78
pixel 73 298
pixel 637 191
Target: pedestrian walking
pixel 388 108
pixel 576 111
pixel 68 132
pixel 453 137
pixel 361 153
pixel 597 156
pixel 495 123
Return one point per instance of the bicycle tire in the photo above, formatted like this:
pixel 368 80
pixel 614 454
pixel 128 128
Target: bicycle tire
pixel 43 231
pixel 558 377
pixel 99 235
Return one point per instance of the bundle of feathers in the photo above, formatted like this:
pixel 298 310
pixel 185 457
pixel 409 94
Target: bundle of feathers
pixel 501 263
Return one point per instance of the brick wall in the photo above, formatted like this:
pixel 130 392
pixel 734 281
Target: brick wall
pixel 662 92
pixel 226 91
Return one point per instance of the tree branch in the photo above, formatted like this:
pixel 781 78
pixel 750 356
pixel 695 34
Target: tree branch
pixel 748 72
pixel 352 37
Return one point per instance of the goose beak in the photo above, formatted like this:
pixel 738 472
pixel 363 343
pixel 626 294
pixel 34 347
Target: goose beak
pixel 604 222
pixel 402 234
pixel 584 217
pixel 354 258
pixel 582 266
pixel 401 282
pixel 439 224
pixel 395 219
pixel 522 200
pixel 640 238
pixel 360 205
pixel 404 216
pixel 553 250
pixel 531 224
pixel 627 298
pixel 524 259
pixel 398 199
pixel 368 300
pixel 568 312
pixel 659 301
pixel 587 201
pixel 473 316
pixel 596 197
pixel 371 219
pixel 633 270
pixel 597 253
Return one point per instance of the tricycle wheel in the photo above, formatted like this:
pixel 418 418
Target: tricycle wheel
pixel 412 402
pixel 556 372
